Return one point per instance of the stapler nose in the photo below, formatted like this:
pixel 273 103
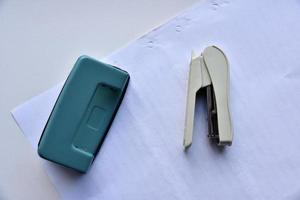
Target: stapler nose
pixel 210 70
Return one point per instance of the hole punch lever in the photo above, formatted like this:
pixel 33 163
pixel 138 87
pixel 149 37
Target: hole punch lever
pixel 210 70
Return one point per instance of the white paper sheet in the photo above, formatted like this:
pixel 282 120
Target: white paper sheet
pixel 143 157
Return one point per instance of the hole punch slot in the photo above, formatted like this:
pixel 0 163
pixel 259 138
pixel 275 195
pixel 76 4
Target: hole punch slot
pixel 95 121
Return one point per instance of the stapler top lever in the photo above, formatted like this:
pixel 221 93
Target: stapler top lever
pixel 210 70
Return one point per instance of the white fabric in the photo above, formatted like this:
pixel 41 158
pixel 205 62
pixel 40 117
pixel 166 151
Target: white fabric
pixel 143 157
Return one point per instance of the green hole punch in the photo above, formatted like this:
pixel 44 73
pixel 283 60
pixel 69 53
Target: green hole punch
pixel 83 114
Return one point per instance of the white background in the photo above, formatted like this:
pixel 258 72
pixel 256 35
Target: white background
pixel 39 42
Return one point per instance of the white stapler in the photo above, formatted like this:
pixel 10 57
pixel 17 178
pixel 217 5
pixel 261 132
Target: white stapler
pixel 210 70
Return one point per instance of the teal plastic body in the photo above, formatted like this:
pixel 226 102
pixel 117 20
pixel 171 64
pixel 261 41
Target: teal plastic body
pixel 83 113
